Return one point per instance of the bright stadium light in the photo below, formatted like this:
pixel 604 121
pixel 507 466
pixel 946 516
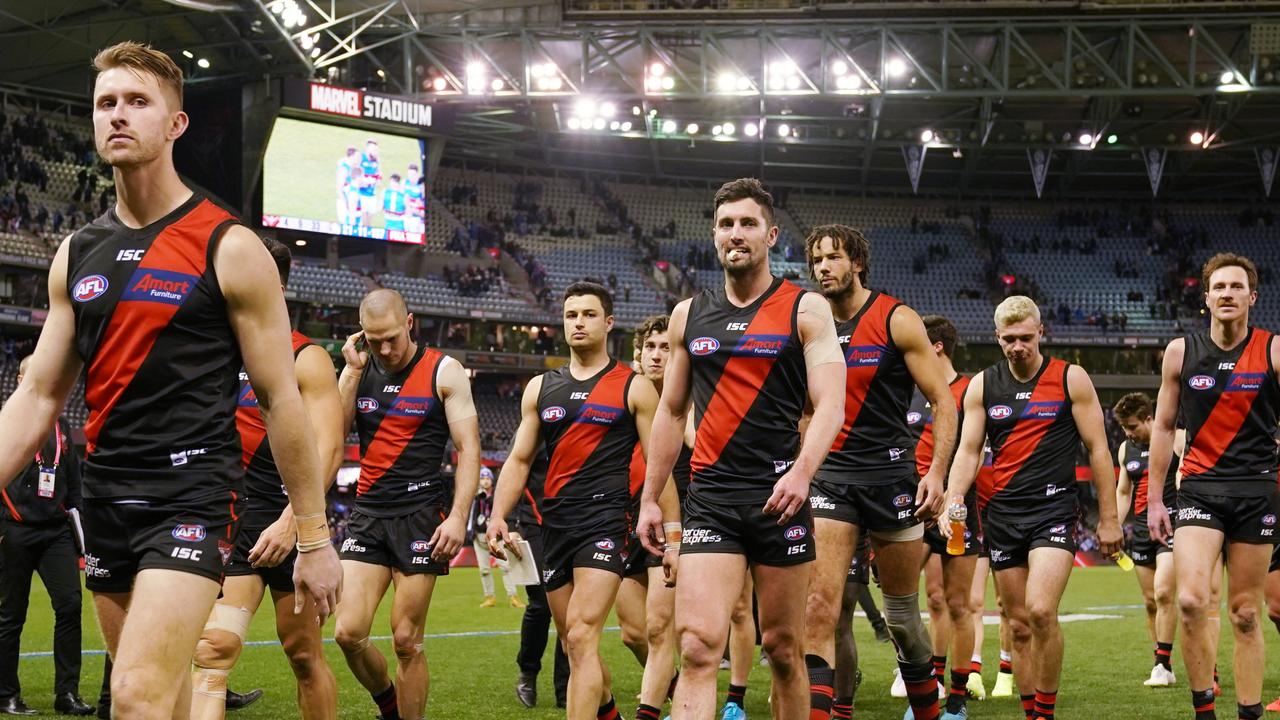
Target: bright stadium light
pixel 575 123
pixel 657 69
pixel 496 85
pixel 1197 138
pixel 751 129
pixel 896 67
pixel 439 84
pixel 1227 78
pixel 1112 139
pixel 717 129
pixel 1086 138
pixel 608 109
pixel 203 63
pixel 691 128
pixel 926 136
pixel 728 128
pixel 188 54
pixel 669 126
pixel 586 108
pixel 784 130
pixel 839 67
pixel 615 125
pixel 598 123
pixel 668 83
pixel 727 82
pixel 626 126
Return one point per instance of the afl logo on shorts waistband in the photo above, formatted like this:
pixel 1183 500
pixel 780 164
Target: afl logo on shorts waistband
pixel 999 412
pixel 795 532
pixel 1132 466
pixel 902 500
pixel 1201 382
pixel 605 544
pixel 419 546
pixel 90 288
pixel 555 413
pixel 188 533
pixel 704 345
pixel 1268 520
pixel 367 404
pixel 1058 529
pixel 913 417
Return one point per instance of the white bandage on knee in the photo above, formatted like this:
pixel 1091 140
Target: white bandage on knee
pixel 210 683
pixel 229 618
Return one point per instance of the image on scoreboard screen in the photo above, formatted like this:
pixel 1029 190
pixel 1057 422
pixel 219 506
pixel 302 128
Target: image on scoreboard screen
pixel 344 181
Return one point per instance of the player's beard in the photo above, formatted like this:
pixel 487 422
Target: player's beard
pixel 743 269
pixel 840 290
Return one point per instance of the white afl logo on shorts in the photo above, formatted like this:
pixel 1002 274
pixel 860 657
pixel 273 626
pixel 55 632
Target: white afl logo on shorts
pixel 795 532
pixel 999 412
pixel 420 546
pixel 1201 382
pixel 1132 466
pixel 704 345
pixel 90 288
pixel 552 414
pixel 1268 520
pixel 913 417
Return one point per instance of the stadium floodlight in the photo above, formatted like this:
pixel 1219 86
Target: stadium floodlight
pixel 727 82
pixel 793 82
pixel 586 108
pixel 615 125
pixel 315 53
pixel 1112 139
pixel 300 242
pixel 306 42
pixel 203 63
pixel 691 128
pixel 626 126
pixel 668 82
pixel 926 136
pixel 717 129
pixel 751 129
pixel 784 130
pixel 575 123
pixel 657 69
pixel 1197 138
pixel 598 123
pixel 848 82
pixel 839 67
pixel 188 54
pixel 608 109
pixel 744 82
pixel 496 85
pixel 1227 78
pixel 440 84
pixel 635 110
pixel 728 128
pixel 1086 138
pixel 669 126
pixel 896 67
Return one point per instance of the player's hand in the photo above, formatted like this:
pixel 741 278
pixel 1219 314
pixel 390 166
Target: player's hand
pixel 790 494
pixel 499 539
pixel 356 358
pixel 317 575
pixel 1110 537
pixel 274 544
pixel 670 566
pixel 944 520
pixel 929 497
pixel 448 538
pixel 649 527
pixel 1158 522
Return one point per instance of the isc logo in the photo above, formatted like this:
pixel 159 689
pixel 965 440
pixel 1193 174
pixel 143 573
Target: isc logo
pixel 999 412
pixel 1227 366
pixel 704 345
pixel 129 255
pixel 1022 396
pixel 736 326
pixel 185 553
pixel 578 396
pixel 391 388
pixel 1201 382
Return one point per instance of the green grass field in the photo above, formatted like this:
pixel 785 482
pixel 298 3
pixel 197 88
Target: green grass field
pixel 472 675
pixel 299 175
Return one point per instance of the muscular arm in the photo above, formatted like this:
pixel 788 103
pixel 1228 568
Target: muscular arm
pixel 1163 432
pixel 672 411
pixel 464 429
pixel 826 375
pixel 260 321
pixel 964 469
pixel 1087 413
pixel 926 370
pixel 515 471
pixel 33 408
pixel 1124 486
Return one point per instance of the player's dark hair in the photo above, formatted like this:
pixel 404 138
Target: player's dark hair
pixel 744 188
pixel 652 324
pixel 1134 405
pixel 940 330
pixel 584 287
pixel 280 253
pixel 395 176
pixel 1221 260
pixel 850 240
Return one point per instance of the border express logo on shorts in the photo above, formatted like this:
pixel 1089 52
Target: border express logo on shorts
pixel 796 532
pixel 703 345
pixel 1201 382
pixel 90 288
pixel 552 414
pixel 999 412
pixel 188 533
pixel 419 546
pixel 605 544
pixel 367 404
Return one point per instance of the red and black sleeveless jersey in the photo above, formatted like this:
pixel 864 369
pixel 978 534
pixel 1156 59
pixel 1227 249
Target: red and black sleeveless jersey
pixel 264 490
pixel 1229 404
pixel 401 422
pixel 873 446
pixel 1033 440
pixel 1136 456
pixel 590 438
pixel 920 421
pixel 160 357
pixel 749 384
pixel 681 471
pixel 529 508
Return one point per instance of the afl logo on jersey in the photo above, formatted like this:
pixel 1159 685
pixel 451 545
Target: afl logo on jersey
pixel 999 412
pixel 902 500
pixel 90 288
pixel 1201 382
pixel 795 532
pixel 913 417
pixel 555 413
pixel 188 533
pixel 367 404
pixel 605 544
pixel 1132 466
pixel 704 345
pixel 419 546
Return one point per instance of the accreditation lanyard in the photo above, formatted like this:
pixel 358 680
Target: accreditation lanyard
pixel 44 487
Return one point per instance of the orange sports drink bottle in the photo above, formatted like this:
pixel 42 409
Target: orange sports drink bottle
pixel 956 515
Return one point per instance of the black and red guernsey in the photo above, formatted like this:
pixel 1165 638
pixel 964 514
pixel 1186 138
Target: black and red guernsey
pixel 264 490
pixel 1136 457
pixel 920 422
pixel 160 357
pixel 874 444
pixel 590 437
pixel 1033 440
pixel 749 385
pixel 401 422
pixel 1229 403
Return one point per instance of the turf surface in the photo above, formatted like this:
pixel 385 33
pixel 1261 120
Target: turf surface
pixel 473 670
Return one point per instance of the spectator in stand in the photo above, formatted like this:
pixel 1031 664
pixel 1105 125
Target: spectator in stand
pixel 477 526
